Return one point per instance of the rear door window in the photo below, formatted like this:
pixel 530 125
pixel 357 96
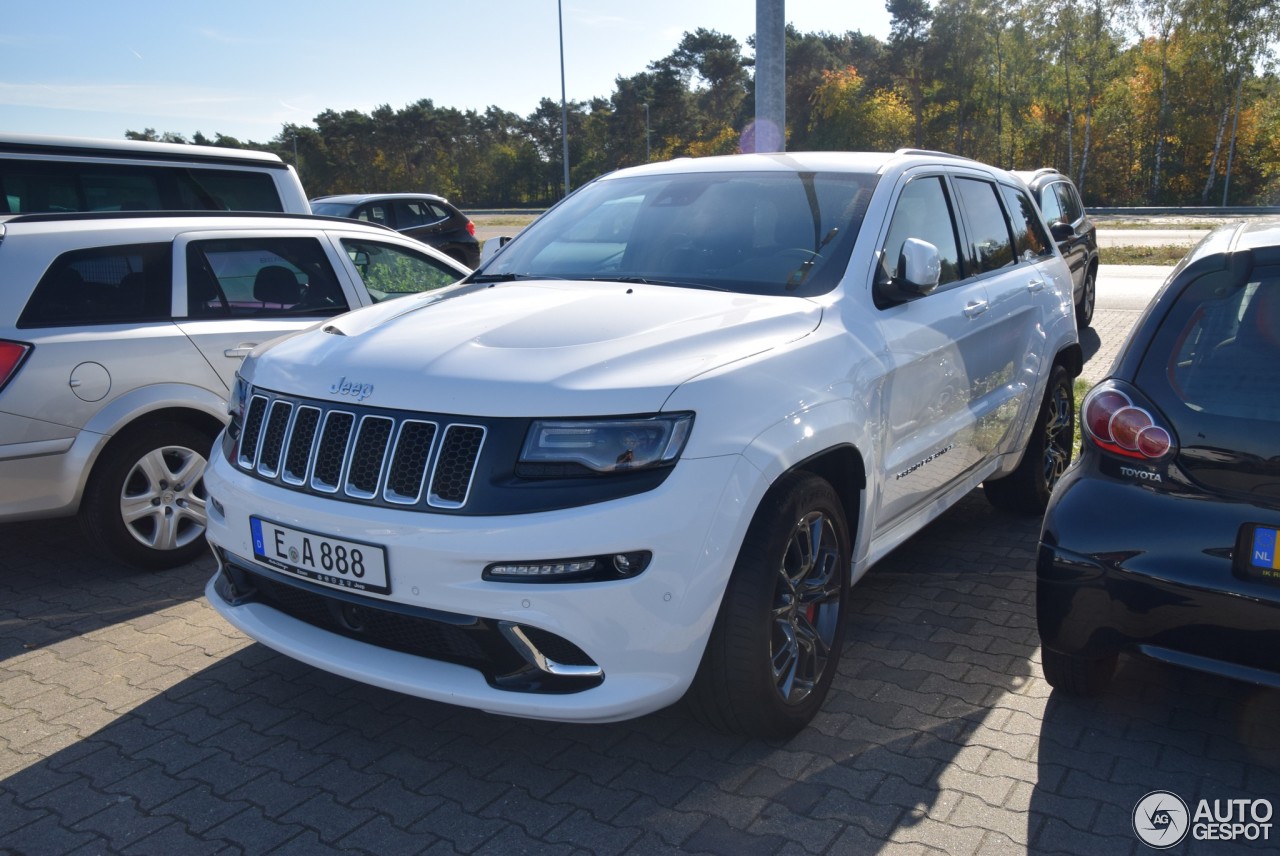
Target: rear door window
pixel 104 285
pixel 261 276
pixel 411 213
pixel 990 244
pixel 1029 238
pixel 1050 205
pixel 1069 199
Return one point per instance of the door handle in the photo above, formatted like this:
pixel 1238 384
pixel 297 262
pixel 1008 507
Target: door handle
pixel 240 351
pixel 1035 285
pixel 976 308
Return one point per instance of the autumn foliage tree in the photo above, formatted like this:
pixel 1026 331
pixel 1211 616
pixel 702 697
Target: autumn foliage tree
pixel 1141 101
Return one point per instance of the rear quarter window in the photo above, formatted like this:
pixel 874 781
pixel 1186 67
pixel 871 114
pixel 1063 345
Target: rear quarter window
pixel 106 285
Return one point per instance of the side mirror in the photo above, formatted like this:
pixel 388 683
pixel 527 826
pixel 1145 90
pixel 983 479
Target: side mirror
pixel 491 247
pixel 918 271
pixel 1061 231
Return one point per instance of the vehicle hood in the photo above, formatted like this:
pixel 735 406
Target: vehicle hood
pixel 538 348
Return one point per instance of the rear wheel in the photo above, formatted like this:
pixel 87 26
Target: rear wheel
pixel 777 639
pixel 144 504
pixel 1082 676
pixel 1047 455
pixel 1088 296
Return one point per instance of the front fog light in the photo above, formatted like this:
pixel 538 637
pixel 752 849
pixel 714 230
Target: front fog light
pixel 587 569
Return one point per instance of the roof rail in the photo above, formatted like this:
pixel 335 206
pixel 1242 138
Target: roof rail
pixel 65 216
pixel 932 153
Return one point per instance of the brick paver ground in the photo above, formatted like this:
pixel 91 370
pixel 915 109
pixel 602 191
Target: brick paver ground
pixel 134 720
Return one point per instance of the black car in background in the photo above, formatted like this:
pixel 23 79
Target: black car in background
pixel 1162 538
pixel 1074 232
pixel 424 216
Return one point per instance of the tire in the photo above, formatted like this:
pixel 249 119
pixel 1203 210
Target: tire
pixel 777 638
pixel 1079 676
pixel 144 504
pixel 1047 455
pixel 1088 297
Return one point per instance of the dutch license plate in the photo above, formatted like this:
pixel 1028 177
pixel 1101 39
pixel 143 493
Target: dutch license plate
pixel 1262 560
pixel 320 558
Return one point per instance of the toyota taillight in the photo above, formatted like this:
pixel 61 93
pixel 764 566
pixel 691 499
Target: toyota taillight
pixel 11 356
pixel 1122 422
pixel 471 228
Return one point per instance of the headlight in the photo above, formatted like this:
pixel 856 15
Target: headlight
pixel 574 447
pixel 239 393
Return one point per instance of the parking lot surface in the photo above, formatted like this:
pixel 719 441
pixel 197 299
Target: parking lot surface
pixel 134 720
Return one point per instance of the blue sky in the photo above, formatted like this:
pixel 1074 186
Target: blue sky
pixel 101 67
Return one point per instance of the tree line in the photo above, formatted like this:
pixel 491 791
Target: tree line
pixel 1142 102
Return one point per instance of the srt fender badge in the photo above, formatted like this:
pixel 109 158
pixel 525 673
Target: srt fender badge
pixel 358 391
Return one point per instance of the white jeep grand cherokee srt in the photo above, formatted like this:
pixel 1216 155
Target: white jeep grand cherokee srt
pixel 643 453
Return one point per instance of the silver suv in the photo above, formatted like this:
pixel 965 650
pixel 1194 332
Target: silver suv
pixel 120 336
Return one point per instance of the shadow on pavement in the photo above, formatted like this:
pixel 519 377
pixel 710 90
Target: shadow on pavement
pixel 1157 728
pixel 142 723
pixel 257 751
pixel 52 588
pixel 1090 343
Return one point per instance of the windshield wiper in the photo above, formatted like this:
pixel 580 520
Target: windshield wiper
pixel 499 277
pixel 644 280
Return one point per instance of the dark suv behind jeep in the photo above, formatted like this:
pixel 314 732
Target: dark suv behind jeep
pixel 1073 231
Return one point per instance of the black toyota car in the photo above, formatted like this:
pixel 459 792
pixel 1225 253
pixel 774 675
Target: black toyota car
pixel 1161 540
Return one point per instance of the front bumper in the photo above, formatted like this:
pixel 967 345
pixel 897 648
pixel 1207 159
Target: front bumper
pixel 631 646
pixel 1125 568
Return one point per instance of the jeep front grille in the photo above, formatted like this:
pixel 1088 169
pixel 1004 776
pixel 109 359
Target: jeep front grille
pixel 359 454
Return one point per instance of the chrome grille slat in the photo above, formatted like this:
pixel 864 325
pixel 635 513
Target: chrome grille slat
pixel 332 451
pixel 367 455
pixel 408 471
pixel 298 459
pixel 273 434
pixel 455 465
pixel 254 414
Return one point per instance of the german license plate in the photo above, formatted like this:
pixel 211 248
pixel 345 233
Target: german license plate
pixel 322 559
pixel 1261 561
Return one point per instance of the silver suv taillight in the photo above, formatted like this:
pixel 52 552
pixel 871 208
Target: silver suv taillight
pixel 12 355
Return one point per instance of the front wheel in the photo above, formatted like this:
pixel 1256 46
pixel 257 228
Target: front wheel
pixel 1047 455
pixel 777 639
pixel 144 504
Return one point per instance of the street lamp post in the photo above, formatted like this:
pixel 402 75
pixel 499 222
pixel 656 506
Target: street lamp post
pixel 564 103
pixel 646 132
